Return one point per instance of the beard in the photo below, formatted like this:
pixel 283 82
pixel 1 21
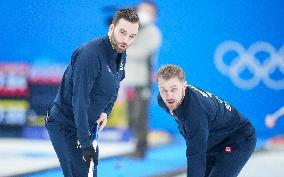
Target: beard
pixel 172 106
pixel 116 45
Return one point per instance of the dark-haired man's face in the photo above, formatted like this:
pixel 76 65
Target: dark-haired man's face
pixel 123 34
pixel 172 91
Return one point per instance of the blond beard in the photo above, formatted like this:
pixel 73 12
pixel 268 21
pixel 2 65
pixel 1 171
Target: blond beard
pixel 172 108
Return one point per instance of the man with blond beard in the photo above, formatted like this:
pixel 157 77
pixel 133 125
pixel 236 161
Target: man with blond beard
pixel 219 139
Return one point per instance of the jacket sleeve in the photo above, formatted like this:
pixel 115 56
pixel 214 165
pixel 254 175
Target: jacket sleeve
pixel 86 67
pixel 196 142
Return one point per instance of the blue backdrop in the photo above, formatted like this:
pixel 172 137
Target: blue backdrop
pixel 216 42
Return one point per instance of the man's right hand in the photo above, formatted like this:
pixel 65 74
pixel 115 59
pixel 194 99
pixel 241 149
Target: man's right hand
pixel 89 153
pixel 102 121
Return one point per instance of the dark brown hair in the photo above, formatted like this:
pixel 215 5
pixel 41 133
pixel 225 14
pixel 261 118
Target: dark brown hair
pixel 128 14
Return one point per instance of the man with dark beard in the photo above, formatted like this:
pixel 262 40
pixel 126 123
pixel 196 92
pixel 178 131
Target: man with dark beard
pixel 87 94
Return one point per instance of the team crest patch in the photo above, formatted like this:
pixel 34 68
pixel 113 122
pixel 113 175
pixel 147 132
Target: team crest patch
pixel 228 149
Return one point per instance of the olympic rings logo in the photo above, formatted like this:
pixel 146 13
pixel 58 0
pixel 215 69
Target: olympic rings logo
pixel 246 59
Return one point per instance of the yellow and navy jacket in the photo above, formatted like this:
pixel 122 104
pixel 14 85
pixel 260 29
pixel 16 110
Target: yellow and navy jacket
pixel 205 121
pixel 89 87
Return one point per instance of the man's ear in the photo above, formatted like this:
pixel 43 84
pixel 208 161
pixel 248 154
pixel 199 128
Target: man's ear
pixel 110 29
pixel 184 84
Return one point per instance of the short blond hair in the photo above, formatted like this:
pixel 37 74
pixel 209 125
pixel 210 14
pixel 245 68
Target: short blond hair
pixel 169 71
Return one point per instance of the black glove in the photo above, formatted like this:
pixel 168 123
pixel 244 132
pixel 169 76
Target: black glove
pixel 89 153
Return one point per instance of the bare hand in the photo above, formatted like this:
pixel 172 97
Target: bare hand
pixel 102 121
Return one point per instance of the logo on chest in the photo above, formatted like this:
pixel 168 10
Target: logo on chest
pixel 228 149
pixel 121 66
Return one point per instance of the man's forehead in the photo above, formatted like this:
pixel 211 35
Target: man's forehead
pixel 127 26
pixel 168 83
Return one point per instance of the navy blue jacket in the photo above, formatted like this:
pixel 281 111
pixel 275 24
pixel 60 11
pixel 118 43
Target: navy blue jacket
pixel 204 120
pixel 89 87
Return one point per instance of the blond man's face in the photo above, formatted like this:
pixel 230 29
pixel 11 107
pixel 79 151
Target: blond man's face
pixel 172 91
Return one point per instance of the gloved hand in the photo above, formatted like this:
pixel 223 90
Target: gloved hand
pixel 89 153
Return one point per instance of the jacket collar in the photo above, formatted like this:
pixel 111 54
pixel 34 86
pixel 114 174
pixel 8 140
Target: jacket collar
pixel 108 45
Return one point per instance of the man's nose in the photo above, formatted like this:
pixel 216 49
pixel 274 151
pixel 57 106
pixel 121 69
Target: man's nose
pixel 124 39
pixel 169 95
